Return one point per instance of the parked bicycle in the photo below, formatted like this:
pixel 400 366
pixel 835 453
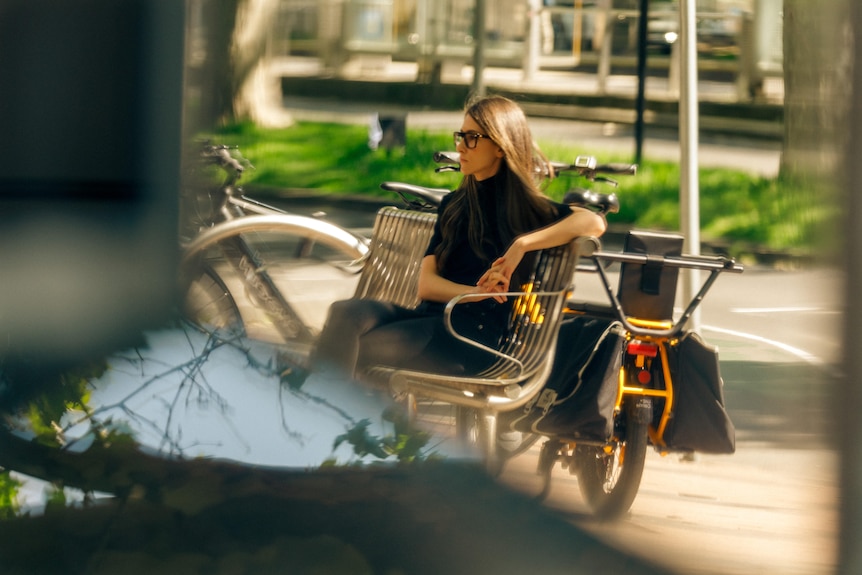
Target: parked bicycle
pixel 667 391
pixel 237 240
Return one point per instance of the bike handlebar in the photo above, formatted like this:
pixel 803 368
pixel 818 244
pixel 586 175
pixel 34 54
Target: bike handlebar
pixel 221 156
pixel 585 166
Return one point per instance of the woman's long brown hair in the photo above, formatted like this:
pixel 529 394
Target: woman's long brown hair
pixel 526 207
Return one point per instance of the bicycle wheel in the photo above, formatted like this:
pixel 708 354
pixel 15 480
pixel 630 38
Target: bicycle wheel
pixel 282 272
pixel 609 482
pixel 209 304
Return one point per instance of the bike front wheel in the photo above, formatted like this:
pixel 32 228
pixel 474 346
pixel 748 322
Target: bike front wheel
pixel 609 480
pixel 208 303
pixel 279 272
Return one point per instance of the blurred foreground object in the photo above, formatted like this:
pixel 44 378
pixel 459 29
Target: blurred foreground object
pixel 89 171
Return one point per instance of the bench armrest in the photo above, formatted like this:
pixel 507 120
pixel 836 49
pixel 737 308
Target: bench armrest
pixel 585 246
pixel 450 306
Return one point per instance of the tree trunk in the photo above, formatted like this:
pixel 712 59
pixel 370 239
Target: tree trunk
pixel 817 73
pixel 215 80
pixel 205 516
pixel 236 81
pixel 257 94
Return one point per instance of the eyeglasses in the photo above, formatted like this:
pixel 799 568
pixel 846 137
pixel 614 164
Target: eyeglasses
pixel 470 139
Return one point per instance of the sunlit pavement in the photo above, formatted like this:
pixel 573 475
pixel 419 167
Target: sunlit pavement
pixel 761 510
pixel 771 507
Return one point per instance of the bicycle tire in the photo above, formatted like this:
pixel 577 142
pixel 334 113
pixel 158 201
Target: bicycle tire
pixel 240 242
pixel 208 303
pixel 609 482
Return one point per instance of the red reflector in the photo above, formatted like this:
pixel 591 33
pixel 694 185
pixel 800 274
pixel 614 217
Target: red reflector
pixel 638 347
pixel 644 377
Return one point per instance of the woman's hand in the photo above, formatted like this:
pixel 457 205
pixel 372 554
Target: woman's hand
pixel 494 285
pixel 499 275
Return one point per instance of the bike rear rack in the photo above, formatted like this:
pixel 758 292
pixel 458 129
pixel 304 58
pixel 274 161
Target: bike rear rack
pixel 657 279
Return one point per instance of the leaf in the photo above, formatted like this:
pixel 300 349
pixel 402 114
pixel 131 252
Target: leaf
pixel 362 441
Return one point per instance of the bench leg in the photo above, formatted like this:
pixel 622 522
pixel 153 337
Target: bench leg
pixel 411 408
pixel 493 462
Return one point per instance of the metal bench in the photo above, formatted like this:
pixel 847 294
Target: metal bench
pixel 526 356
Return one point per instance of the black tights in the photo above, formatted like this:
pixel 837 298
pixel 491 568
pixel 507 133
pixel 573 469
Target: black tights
pixel 360 333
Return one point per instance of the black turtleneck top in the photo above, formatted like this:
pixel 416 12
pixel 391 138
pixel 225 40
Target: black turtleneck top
pixel 465 266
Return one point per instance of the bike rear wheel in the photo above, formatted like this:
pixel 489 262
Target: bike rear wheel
pixel 609 481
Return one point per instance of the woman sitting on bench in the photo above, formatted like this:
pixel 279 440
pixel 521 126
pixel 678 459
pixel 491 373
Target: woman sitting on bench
pixel 484 229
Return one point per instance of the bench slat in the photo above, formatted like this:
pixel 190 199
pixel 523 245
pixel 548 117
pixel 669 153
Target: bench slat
pixel 398 244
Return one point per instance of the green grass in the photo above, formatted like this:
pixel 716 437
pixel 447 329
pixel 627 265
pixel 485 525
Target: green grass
pixel 738 210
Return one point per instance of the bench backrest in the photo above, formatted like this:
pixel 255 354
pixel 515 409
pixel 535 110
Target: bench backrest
pixel 398 243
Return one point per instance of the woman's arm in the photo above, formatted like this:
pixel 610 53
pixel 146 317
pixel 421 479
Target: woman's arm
pixel 434 287
pixel 581 222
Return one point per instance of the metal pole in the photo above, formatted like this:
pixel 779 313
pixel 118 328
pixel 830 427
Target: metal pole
pixel 689 191
pixel 605 51
pixel 848 392
pixel 641 96
pixel 531 53
pixel 478 87
pixel 577 30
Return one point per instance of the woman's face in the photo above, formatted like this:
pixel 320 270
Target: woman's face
pixel 484 160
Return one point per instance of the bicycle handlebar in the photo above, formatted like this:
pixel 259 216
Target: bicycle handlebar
pixel 585 166
pixel 221 156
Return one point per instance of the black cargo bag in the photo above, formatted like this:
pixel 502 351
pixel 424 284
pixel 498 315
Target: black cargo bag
pixel 699 421
pixel 578 399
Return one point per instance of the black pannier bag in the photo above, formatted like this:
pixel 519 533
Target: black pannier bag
pixel 578 400
pixel 699 421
